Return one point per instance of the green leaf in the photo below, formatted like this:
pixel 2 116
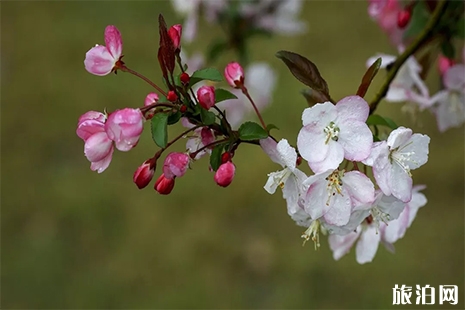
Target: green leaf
pixel 251 131
pixel 210 74
pixel 160 129
pixel 448 49
pixel 376 119
pixel 223 94
pixel 215 157
pixel 305 71
pixel 208 118
pixel 173 118
pixel 271 126
pixel 418 21
pixel 368 77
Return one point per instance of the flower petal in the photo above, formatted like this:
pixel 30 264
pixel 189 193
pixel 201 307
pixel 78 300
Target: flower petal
pixel 334 157
pixel 356 139
pixel 97 147
pixel 113 41
pixel 99 61
pixel 341 245
pixel 367 245
pixel 103 164
pixel 400 183
pixel 320 115
pixel 287 153
pixel 359 187
pixel 352 107
pixel 311 144
pixel 399 137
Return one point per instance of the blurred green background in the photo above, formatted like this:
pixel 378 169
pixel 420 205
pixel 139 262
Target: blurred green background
pixel 72 238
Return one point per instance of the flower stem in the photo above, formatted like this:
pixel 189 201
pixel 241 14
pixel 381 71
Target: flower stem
pixel 246 93
pixel 158 154
pixel 412 49
pixel 126 69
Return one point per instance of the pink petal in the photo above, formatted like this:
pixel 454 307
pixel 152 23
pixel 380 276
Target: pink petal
pixel 97 147
pixel 356 139
pixel 88 128
pixel 269 146
pixel 340 245
pixel 94 115
pixel 334 157
pixel 99 61
pixel 454 78
pixel 367 245
pixel 103 164
pixel 113 41
pixel 353 108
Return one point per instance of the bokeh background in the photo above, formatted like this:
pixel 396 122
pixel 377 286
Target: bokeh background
pixel 72 238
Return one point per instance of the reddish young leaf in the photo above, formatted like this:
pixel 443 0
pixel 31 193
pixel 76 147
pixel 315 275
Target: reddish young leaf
pixel 368 77
pixel 305 71
pixel 166 50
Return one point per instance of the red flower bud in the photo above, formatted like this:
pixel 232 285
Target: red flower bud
pixel 185 78
pixel 403 18
pixel 183 109
pixel 225 174
pixel 175 32
pixel 206 96
pixel 164 185
pixel 172 96
pixel 143 175
pixel 225 157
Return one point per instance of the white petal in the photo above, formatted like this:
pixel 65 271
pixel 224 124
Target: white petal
pixel 399 137
pixel 400 183
pixel 287 153
pixel 367 245
pixel 320 115
pixel 359 187
pixel 334 157
pixel 352 107
pixel 340 245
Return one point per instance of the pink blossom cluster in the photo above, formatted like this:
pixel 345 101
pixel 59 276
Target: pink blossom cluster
pixel 344 202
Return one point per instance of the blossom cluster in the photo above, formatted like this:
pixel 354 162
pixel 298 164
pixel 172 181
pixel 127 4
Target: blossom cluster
pixel 358 187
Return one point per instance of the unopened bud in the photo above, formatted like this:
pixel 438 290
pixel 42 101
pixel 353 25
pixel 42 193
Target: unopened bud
pixel 444 64
pixel 151 99
pixel 175 32
pixel 206 97
pixel 234 74
pixel 185 78
pixel 144 174
pixel 183 109
pixel 172 96
pixel 225 174
pixel 403 18
pixel 175 165
pixel 225 157
pixel 164 185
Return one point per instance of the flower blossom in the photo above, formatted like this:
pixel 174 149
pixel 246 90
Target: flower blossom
pixel 289 179
pixel 393 159
pixel 385 13
pixel 102 60
pixel 125 127
pixel 200 138
pixel 334 132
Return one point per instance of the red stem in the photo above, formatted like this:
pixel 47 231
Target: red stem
pixel 126 69
pixel 246 93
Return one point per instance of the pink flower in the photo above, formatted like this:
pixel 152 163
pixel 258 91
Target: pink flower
pixel 234 74
pixel 151 99
pixel 164 185
pixel 334 132
pixel 206 96
pixel 175 32
pixel 225 174
pixel 98 148
pixel 334 194
pixel 175 165
pixel 386 12
pixel 393 159
pixel 125 127
pixel 144 174
pixel 101 60
pixel 202 137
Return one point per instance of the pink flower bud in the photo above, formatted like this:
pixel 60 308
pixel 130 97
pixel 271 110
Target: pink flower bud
pixel 151 99
pixel 225 174
pixel 144 174
pixel 185 78
pixel 175 32
pixel 172 96
pixel 164 185
pixel 101 60
pixel 125 127
pixel 444 63
pixel 175 165
pixel 234 74
pixel 206 96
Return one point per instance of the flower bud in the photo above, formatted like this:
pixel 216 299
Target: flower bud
pixel 151 99
pixel 444 63
pixel 403 18
pixel 225 174
pixel 185 78
pixel 225 157
pixel 175 165
pixel 164 185
pixel 125 127
pixel 234 74
pixel 183 109
pixel 144 174
pixel 175 32
pixel 172 96
pixel 206 96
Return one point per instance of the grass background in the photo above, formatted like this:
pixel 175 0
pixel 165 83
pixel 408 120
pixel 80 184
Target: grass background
pixel 74 239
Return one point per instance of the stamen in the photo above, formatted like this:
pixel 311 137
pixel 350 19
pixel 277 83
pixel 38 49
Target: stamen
pixel 332 132
pixel 313 232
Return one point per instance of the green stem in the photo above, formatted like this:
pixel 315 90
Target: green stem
pixel 412 49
